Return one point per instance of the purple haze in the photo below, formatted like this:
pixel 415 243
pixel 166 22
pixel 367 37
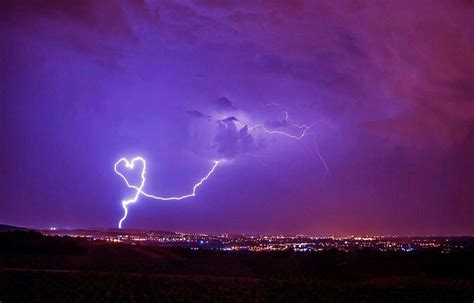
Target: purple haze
pixel 390 86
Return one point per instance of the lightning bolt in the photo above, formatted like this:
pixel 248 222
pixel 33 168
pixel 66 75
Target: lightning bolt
pixel 139 189
pixel 304 127
pixel 306 130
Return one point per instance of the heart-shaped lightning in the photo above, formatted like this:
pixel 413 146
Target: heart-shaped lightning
pixel 131 165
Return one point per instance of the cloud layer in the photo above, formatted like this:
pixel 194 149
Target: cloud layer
pixel 388 85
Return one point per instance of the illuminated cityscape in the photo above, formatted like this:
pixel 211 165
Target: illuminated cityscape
pixel 263 243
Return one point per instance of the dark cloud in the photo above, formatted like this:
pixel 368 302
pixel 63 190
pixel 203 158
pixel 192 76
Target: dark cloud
pixel 85 82
pixel 231 142
pixel 107 19
pixel 351 44
pixel 198 114
pixel 230 119
pixel 223 104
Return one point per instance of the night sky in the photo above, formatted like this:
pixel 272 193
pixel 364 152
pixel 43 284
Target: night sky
pixel 387 86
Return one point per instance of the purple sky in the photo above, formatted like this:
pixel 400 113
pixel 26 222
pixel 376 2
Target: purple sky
pixel 389 87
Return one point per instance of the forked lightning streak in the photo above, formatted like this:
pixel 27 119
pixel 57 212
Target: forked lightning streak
pixel 139 189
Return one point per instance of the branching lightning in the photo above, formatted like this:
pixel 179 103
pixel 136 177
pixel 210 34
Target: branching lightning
pixel 304 131
pixel 139 189
pixel 262 126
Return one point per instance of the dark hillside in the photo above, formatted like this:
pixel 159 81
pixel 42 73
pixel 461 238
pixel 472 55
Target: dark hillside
pixel 63 269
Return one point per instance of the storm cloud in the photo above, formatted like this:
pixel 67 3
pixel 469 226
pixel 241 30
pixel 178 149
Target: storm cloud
pixel 87 82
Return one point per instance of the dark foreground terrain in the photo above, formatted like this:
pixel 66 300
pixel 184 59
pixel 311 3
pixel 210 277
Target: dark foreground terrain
pixel 37 268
